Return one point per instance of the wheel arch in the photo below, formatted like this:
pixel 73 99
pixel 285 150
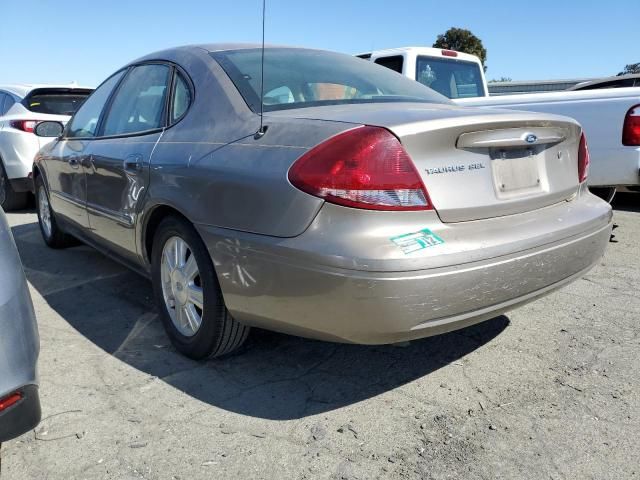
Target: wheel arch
pixel 152 220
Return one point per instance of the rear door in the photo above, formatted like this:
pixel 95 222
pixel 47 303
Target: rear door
pixel 66 163
pixel 118 170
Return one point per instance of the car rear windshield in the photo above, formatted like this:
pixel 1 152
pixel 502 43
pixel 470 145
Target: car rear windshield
pixel 451 77
pixel 56 101
pixel 297 78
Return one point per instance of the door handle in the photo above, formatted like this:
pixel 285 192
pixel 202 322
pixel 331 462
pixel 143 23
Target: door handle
pixel 133 163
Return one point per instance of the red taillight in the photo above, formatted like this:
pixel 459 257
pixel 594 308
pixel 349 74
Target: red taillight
pixel 25 125
pixel 583 159
pixel 10 400
pixel 366 167
pixel 631 129
pixel 449 53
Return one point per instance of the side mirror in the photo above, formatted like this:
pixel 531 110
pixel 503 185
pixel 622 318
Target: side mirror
pixel 49 129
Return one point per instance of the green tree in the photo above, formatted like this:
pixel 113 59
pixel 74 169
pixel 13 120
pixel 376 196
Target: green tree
pixel 462 40
pixel 501 79
pixel 631 68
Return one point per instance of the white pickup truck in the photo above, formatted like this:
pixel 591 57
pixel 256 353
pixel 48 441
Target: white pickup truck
pixel 610 117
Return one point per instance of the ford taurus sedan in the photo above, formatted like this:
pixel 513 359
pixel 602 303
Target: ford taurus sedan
pixel 338 200
pixel 19 344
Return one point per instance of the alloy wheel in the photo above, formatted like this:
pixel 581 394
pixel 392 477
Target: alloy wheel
pixel 181 286
pixel 45 211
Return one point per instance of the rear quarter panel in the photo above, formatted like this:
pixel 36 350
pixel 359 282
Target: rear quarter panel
pixel 212 169
pixel 19 341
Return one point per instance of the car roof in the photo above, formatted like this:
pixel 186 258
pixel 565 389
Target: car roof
pixel 23 89
pixel 429 51
pixel 175 53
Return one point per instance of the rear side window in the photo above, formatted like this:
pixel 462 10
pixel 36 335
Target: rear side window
pixel 394 63
pixel 181 98
pixel 85 121
pixel 451 77
pixel 56 101
pixel 8 103
pixel 139 103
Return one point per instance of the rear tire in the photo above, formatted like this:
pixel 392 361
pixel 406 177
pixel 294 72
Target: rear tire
pixel 605 193
pixel 188 295
pixel 9 198
pixel 52 234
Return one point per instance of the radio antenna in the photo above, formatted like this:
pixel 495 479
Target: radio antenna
pixel 262 129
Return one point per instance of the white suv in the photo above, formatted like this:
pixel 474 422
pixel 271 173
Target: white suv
pixel 21 108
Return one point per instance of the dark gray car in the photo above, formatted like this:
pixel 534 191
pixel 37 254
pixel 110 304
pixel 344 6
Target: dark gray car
pixel 19 344
pixel 365 208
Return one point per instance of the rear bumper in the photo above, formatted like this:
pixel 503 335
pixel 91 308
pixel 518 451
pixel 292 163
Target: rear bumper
pixel 369 304
pixel 22 416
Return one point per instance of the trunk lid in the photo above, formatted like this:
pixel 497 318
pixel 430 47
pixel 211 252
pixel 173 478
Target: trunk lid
pixel 476 164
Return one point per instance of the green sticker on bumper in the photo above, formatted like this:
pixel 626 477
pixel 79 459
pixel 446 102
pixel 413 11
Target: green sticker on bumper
pixel 412 242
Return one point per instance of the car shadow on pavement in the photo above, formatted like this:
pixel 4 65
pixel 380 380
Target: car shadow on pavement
pixel 274 376
pixel 628 202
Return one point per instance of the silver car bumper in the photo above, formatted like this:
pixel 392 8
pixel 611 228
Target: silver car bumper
pixel 345 281
pixel 19 343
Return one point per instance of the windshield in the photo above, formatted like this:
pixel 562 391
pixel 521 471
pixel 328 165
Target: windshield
pixel 451 77
pixel 296 78
pixel 56 101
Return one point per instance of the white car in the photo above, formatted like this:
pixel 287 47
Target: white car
pixel 21 108
pixel 610 116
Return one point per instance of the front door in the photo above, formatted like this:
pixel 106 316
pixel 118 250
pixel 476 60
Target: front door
pixel 118 170
pixel 68 158
pixel 66 180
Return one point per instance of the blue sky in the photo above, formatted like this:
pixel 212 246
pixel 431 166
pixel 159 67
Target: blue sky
pixel 52 41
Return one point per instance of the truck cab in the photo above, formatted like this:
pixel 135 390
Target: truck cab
pixel 453 74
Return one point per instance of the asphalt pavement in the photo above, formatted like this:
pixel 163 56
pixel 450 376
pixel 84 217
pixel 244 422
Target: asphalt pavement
pixel 551 390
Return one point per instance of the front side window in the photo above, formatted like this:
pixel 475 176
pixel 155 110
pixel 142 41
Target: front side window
pixel 138 105
pixel 85 122
pixel 450 77
pixel 298 78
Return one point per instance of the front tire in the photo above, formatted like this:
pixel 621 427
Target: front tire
pixel 52 234
pixel 188 295
pixel 9 198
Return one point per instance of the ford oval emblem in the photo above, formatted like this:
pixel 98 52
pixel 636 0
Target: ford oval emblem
pixel 531 138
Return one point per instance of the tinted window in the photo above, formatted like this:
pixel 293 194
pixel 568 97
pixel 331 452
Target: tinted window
pixel 138 105
pixel 451 77
pixel 56 101
pixel 392 63
pixel 181 98
pixel 2 100
pixel 85 121
pixel 311 78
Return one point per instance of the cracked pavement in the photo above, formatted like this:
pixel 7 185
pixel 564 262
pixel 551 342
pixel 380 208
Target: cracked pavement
pixel 551 390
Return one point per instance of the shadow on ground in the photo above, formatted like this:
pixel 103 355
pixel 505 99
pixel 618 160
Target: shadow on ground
pixel 628 202
pixel 275 376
